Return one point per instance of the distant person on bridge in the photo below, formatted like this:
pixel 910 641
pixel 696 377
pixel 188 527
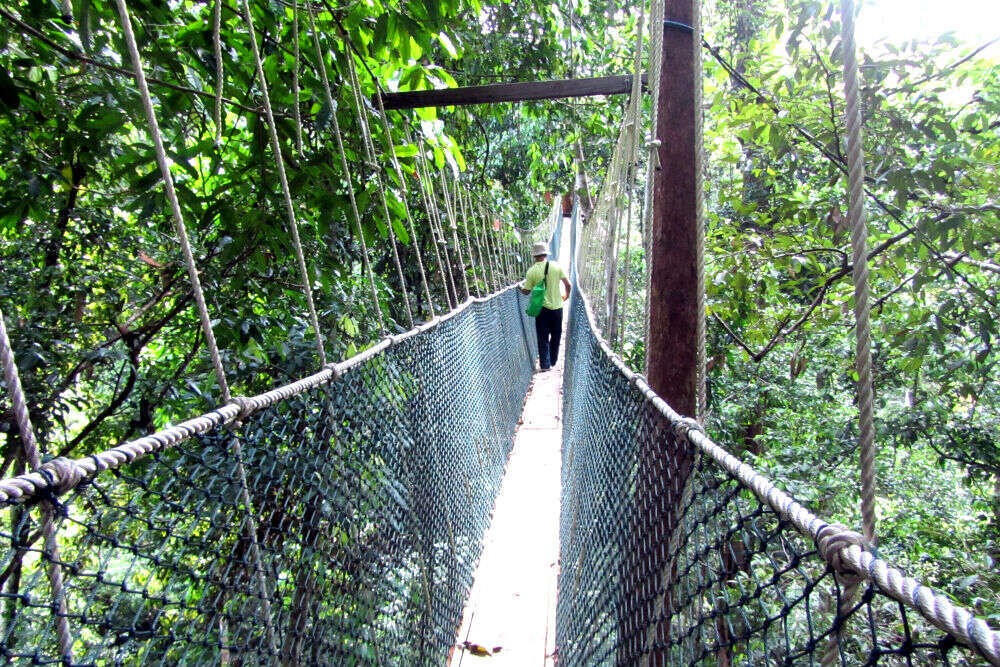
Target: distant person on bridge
pixel 548 322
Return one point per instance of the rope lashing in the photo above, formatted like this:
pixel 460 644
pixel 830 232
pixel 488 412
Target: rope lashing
pixel 679 26
pixel 279 162
pixel 414 240
pixel 29 445
pixel 859 234
pixel 168 185
pixel 355 215
pixel 369 148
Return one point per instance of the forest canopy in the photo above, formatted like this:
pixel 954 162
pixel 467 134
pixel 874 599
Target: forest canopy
pixel 100 311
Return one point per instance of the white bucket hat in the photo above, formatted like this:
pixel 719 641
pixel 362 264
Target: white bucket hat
pixel 540 248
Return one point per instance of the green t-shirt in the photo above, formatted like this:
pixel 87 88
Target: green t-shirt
pixel 553 291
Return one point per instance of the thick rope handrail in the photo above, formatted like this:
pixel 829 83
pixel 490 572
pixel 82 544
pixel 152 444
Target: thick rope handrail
pixel 838 546
pixel 30 446
pixel 356 216
pixel 279 162
pixel 72 473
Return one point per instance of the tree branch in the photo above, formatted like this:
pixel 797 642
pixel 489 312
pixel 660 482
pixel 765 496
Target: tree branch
pixel 780 332
pixel 79 57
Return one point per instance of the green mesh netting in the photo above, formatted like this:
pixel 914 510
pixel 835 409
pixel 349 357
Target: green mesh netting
pixel 369 499
pixel 667 559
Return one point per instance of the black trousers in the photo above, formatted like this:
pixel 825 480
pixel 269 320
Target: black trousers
pixel 548 327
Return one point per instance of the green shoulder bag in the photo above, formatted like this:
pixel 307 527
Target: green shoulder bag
pixel 537 298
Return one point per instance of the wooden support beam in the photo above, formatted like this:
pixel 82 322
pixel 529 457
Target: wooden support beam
pixel 676 320
pixel 674 351
pixel 510 92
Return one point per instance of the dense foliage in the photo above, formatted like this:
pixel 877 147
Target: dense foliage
pixel 95 292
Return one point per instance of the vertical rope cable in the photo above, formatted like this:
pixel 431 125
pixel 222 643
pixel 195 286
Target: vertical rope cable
pixel 488 279
pixel 859 234
pixel 441 239
pixel 450 210
pixel 369 146
pixel 465 227
pixel 653 163
pixel 636 119
pixel 175 207
pixel 328 96
pixel 30 446
pixel 422 173
pixel 699 219
pixel 863 361
pixel 295 78
pixel 279 162
pixel 406 206
pixel 493 244
pixel 161 158
pixel 217 50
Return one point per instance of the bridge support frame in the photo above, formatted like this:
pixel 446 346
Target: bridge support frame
pixel 675 343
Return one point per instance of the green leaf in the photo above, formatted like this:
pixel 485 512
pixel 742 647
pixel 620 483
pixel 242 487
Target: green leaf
pixel 449 47
pixel 405 150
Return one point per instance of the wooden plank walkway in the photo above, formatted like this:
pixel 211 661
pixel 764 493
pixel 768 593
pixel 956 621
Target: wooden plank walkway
pixel 513 601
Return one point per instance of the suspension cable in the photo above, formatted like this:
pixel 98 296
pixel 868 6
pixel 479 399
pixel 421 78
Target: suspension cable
pixel 369 147
pixel 426 199
pixel 30 447
pixel 356 216
pixel 279 162
pixel 296 112
pixel 217 50
pixel 406 207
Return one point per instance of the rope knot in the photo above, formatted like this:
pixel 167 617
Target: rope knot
pixel 246 406
pixel 684 425
pixel 831 540
pixel 334 368
pixel 63 474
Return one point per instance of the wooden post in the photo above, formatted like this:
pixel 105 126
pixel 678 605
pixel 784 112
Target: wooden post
pixel 676 320
pixel 674 351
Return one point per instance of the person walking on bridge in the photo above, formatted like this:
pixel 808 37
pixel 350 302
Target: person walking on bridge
pixel 548 322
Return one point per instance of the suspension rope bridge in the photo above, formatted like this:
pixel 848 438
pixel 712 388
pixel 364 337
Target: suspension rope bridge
pixel 338 519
